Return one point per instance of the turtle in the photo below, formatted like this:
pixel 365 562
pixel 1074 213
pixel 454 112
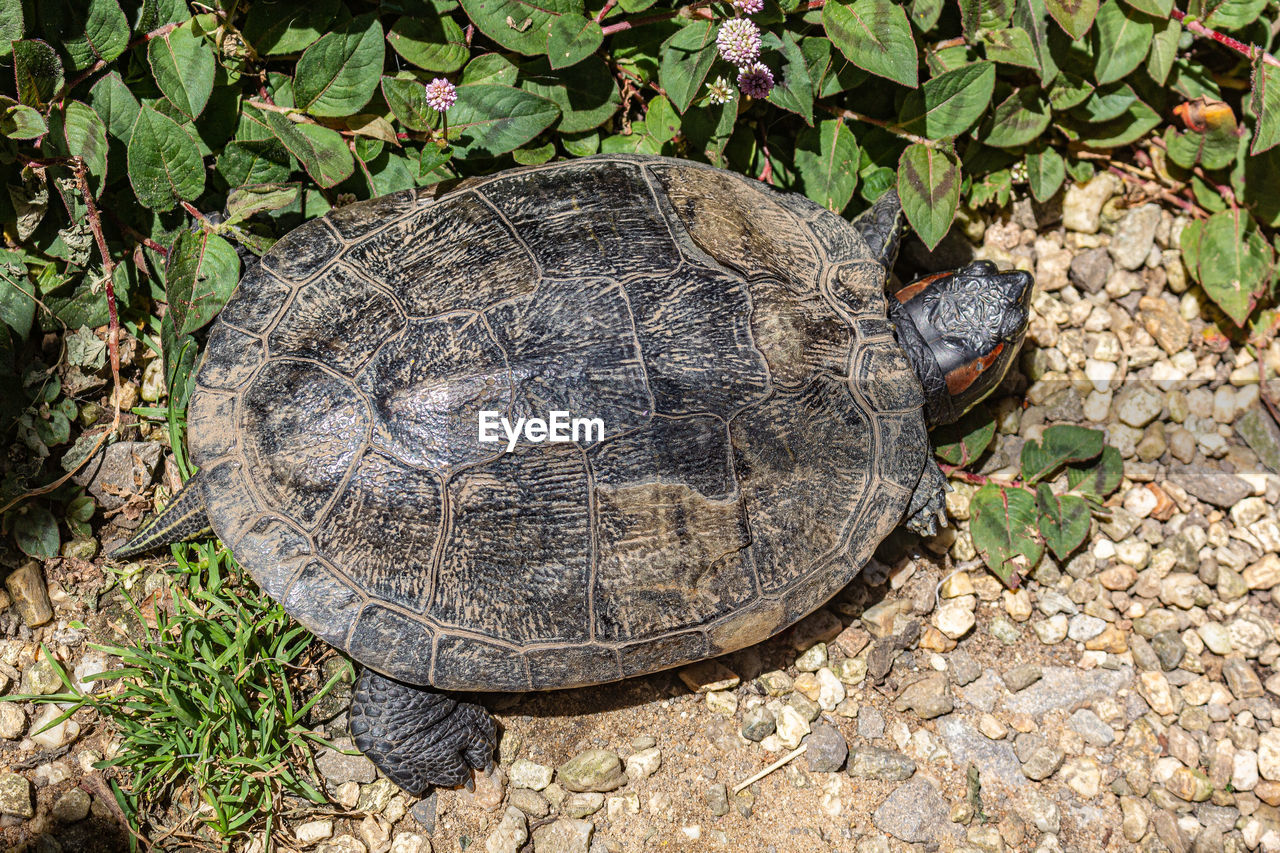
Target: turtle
pixel 763 406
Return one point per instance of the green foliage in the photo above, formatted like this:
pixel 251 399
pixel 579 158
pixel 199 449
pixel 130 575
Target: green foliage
pixel 207 697
pixel 1013 523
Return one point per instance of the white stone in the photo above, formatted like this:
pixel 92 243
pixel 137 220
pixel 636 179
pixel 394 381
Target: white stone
pixel 63 733
pixel 791 726
pixel 830 691
pixel 1053 630
pixel 1154 687
pixel 511 833
pixel 1138 406
pixel 954 618
pixel 1100 373
pixel 723 702
pixel 1140 501
pixel 527 774
pixel 1244 770
pixel 1097 405
pixel 1216 638
pixel 1269 755
pixel 1083 627
pixel 410 842
pixel 643 764
pixel 313 831
pixel 1082 204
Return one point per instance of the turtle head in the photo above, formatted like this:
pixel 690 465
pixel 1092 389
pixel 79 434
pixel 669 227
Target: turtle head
pixel 961 331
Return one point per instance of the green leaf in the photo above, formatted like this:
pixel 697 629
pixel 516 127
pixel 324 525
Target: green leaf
pixel 1069 91
pixel 19 121
pixel 490 120
pixel 661 119
pixel 1234 262
pixel 962 442
pixel 254 161
pixel 929 185
pixel 1164 50
pixel 1155 8
pixel 1045 172
pixel 1214 148
pixel 182 63
pixel 1074 16
pixel 829 72
pixel 1003 524
pixel 201 271
pixel 81 131
pixel 320 150
pixel 1018 119
pixel 1032 18
pixel 1011 46
pixel 11 25
pixel 1121 39
pixel 948 105
pixel 490 68
pixel 874 35
pixel 432 159
pixel 686 57
pixel 89 30
pixel 1064 520
pixel 165 166
pixel 794 90
pixel 17 294
pixel 434 43
pixel 1264 102
pixel 1131 125
pixel 519 25
pixel 37 71
pixel 587 98
pixel 287 26
pixel 1099 479
pixel 406 95
pixel 339 73
pixel 571 39
pixel 244 202
pixel 827 159
pixel 1060 445
pixel 1234 14
pixel 36 532
pixel 116 105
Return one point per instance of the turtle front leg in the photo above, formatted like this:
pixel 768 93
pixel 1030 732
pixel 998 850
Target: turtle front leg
pixel 926 512
pixel 417 736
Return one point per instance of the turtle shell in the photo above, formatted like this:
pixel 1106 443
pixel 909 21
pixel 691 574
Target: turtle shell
pixel 762 428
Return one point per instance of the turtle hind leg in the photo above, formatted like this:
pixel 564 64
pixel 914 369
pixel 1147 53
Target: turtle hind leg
pixel 926 510
pixel 417 736
pixel 183 520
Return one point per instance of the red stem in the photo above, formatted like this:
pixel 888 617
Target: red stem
pixel 108 268
pixel 608 7
pixel 1248 50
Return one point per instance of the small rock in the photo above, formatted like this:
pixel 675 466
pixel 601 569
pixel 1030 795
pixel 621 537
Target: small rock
pixel 643 764
pixel 963 668
pixel 1154 687
pixel 409 842
pixel 1190 785
pixel 1242 681
pixel 119 471
pixel 884 765
pixel 72 806
pixel 1169 649
pixel 1210 485
pixel 1163 323
pixel 1042 763
pixel 592 770
pixel 723 702
pixel 26 585
pixel 826 749
pixel 717 799
pixel 337 767
pixel 15 795
pixel 791 726
pixel 1004 631
pixel 424 812
pixel 1082 203
pixel 526 774
pixel 1090 269
pixel 1053 630
pixel 40 678
pixel 13 722
pixel 566 835
pixel 581 805
pixel 758 723
pixel 929 697
pixel 870 723
pixel 1269 755
pixel 813 659
pixel 531 802
pixel 1134 236
pixel 708 675
pixel 1137 406
pixel 1090 726
pixel 55 736
pixel 1021 677
pixel 914 812
pixel 955 618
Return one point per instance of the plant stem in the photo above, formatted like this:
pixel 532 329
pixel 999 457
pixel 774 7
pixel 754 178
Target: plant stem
pixel 881 123
pixel 108 268
pixel 979 479
pixel 1247 50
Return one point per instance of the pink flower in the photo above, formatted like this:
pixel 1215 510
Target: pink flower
pixel 441 94
pixel 750 7
pixel 739 41
pixel 755 80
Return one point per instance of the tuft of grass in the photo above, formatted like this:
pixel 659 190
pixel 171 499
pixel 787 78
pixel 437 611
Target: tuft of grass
pixel 204 699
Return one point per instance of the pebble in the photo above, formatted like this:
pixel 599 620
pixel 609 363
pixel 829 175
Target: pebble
pixel 1053 630
pixel 409 842
pixel 1154 687
pixel 1084 627
pixel 758 723
pixel 717 799
pixel 72 806
pixel 1189 784
pixel 526 774
pixel 13 721
pixel 40 678
pixel 119 471
pixel 338 767
pixel 813 659
pixel 1138 405
pixel 791 726
pixel 831 691
pixel 1210 485
pixel 531 802
pixel 30 594
pixel 870 723
pixel 15 795
pixel 1269 755
pixel 584 804
pixel 1042 763
pixel 567 835
pixel 915 812
pixel 643 764
pixel 708 675
pixel 1169 649
pixel 723 702
pixel 929 697
pixel 58 735
pixel 1135 236
pixel 1021 677
pixel 1082 203
pixel 1082 775
pixel 885 765
pixel 826 749
pixel 956 617
pixel 592 770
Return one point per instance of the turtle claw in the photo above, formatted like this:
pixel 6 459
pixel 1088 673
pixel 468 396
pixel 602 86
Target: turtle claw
pixel 926 512
pixel 420 737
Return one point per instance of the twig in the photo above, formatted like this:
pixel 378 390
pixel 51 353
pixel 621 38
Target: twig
pixel 1162 192
pixel 790 756
pixel 880 123
pixel 653 19
pixel 979 479
pixel 608 7
pixel 1249 51
pixel 102 63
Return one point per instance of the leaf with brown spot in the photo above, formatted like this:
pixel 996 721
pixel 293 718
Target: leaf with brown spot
pixel 929 186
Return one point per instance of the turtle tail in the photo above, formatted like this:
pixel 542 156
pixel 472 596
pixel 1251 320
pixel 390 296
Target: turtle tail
pixel 183 520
